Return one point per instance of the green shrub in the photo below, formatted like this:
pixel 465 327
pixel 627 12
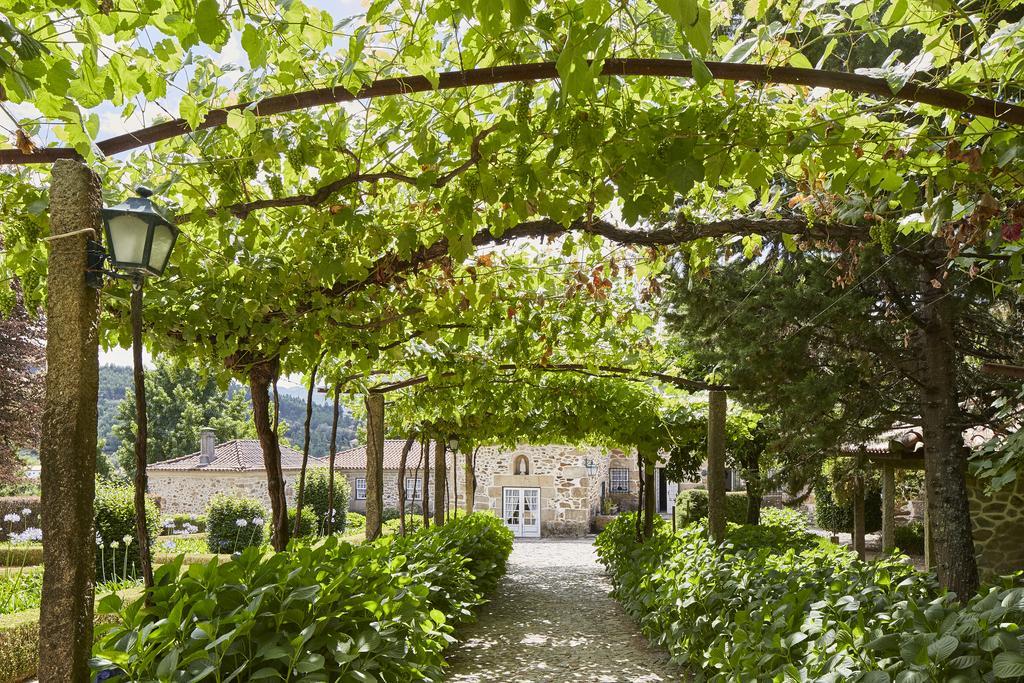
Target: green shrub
pixel 355 521
pixel 308 527
pixel 233 524
pixel 692 506
pixel 388 514
pixel 831 516
pixel 315 496
pixel 774 604
pixel 784 518
pixel 910 538
pixel 326 611
pixel 117 552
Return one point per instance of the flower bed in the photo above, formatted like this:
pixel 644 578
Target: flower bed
pixel 325 611
pixel 778 604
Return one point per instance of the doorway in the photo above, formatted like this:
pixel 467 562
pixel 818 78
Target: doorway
pixel 662 490
pixel 521 511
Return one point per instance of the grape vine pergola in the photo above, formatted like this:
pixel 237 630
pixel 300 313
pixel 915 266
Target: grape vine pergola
pixel 350 234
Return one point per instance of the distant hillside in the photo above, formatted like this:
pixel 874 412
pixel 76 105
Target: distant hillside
pixel 116 380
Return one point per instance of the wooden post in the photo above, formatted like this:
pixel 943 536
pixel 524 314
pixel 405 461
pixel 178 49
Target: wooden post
pixel 439 482
pixel 67 448
pixel 716 465
pixel 470 482
pixel 888 508
pixel 374 465
pixel 141 435
pixel 651 499
pixel 859 544
pixel 425 455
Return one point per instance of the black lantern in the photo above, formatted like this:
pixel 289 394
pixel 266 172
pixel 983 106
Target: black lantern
pixel 453 444
pixel 139 236
pixel 591 466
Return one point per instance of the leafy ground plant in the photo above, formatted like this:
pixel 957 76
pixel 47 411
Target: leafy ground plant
pixel 773 603
pixel 328 611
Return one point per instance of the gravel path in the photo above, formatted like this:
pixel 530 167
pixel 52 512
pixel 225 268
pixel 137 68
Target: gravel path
pixel 552 619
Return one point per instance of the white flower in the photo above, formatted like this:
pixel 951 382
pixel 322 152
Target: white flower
pixel 258 521
pixel 12 517
pixel 115 545
pixel 32 534
pixel 127 538
pixel 26 511
pixel 168 524
pixel 241 523
pixel 169 545
pixel 99 539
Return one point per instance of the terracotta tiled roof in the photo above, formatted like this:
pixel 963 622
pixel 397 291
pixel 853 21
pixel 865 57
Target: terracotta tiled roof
pixel 355 458
pixel 238 455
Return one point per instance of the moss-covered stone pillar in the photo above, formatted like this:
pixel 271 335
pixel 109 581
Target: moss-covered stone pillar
pixel 888 508
pixel 67 449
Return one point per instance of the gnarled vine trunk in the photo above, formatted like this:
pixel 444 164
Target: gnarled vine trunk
pixel 261 375
pixel 402 462
pixel 949 512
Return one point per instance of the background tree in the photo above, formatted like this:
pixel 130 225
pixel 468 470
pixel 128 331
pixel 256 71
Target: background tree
pixel 180 401
pixel 22 368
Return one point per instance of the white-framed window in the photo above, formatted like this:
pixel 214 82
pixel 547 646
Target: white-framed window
pixel 619 478
pixel 413 488
pixel 360 489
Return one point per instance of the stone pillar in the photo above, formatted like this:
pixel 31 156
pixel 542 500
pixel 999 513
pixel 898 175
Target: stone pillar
pixel 859 544
pixel 716 465
pixel 67 448
pixel 440 481
pixel 888 508
pixel 374 464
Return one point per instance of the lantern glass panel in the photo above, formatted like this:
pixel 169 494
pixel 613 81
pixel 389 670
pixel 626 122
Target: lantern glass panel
pixel 163 240
pixel 128 238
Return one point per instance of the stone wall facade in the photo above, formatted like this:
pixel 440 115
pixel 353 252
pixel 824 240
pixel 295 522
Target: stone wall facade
pixel 189 492
pixel 998 528
pixel 391 488
pixel 570 496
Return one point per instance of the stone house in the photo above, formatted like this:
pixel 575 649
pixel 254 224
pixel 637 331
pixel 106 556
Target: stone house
pixel 186 484
pixel 539 490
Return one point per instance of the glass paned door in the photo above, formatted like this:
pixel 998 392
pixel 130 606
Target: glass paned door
pixel 521 511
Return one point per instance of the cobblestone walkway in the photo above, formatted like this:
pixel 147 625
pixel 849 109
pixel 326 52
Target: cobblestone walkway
pixel 552 619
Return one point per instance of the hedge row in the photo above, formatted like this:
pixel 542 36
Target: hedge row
pixel 774 604
pixel 325 611
pixel 21 555
pixel 19 642
pixel 692 506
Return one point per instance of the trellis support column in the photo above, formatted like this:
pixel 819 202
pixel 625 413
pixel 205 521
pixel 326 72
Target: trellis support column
pixel 470 483
pixel 67 448
pixel 440 481
pixel 859 544
pixel 374 464
pixel 717 407
pixel 888 508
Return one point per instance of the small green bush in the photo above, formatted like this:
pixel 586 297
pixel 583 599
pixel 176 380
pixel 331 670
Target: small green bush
pixel 692 506
pixel 784 518
pixel 388 514
pixel 355 521
pixel 910 538
pixel 117 552
pixel 315 496
pixel 308 527
pixel 831 516
pixel 233 524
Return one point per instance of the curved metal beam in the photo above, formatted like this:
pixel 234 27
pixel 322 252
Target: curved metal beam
pixel 661 68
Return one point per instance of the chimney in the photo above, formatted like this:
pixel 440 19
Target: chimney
pixel 207 443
